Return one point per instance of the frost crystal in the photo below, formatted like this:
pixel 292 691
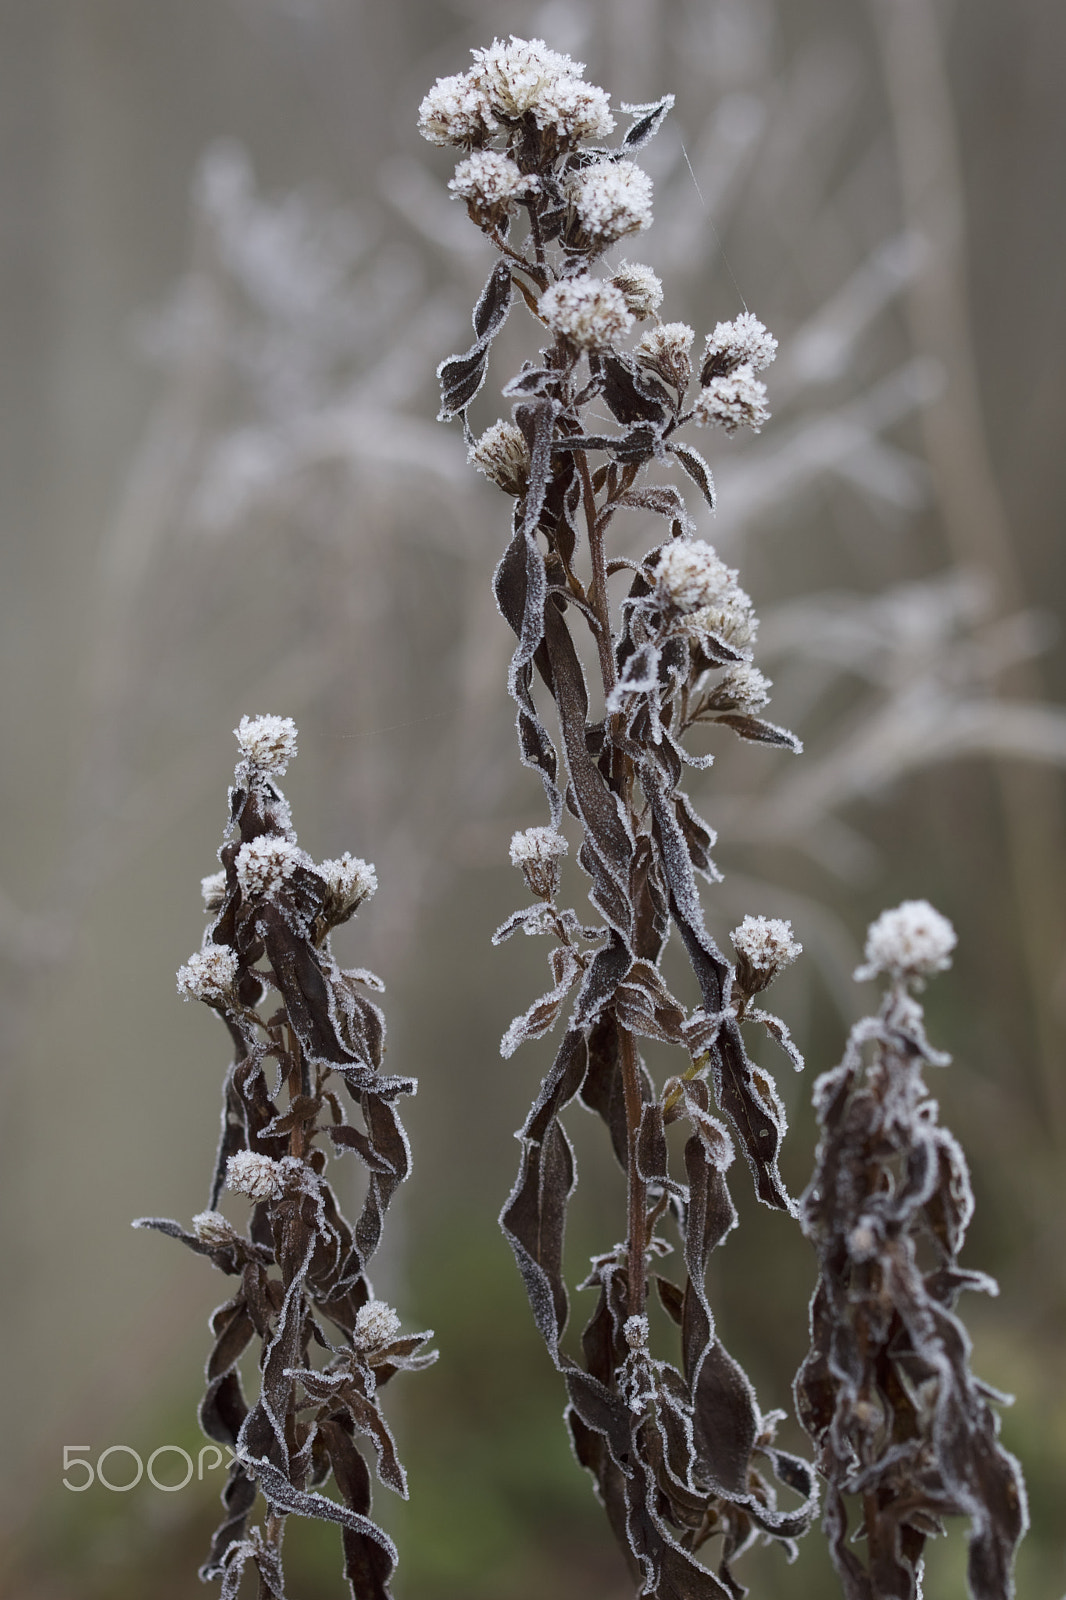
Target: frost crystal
pixel 524 76
pixel 642 289
pixel 376 1324
pixel 248 1172
pixel 611 198
pixel 491 182
pixel 213 890
pixel 765 947
pixel 267 743
pixel 349 881
pixel 212 1228
pixel 209 975
pixel 731 616
pixel 735 400
pixel 636 1332
pixel 589 312
pixel 572 110
pixel 690 575
pixel 538 846
pixel 743 688
pixel 456 111
pixel 665 349
pixel 502 454
pixel 733 344
pixel 911 941
pixel 263 864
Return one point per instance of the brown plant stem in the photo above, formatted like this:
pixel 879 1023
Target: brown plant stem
pixel 637 1189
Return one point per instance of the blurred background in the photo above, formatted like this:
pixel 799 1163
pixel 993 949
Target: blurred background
pixel 228 271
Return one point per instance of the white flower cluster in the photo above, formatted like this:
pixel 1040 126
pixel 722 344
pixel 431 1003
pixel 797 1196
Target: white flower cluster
pixel 611 198
pixel 537 846
pixel 209 974
pixel 251 1173
pixel 742 688
pixel 349 880
pixel 502 454
pixel 213 890
pixel 263 864
pixel 376 1324
pixel 690 575
pixel 735 400
pixel 212 1228
pixel 267 744
pixel 732 344
pixel 490 182
pixel 766 947
pixel 731 616
pixel 508 82
pixel 665 349
pixel 637 1332
pixel 911 941
pixel 641 289
pixel 590 312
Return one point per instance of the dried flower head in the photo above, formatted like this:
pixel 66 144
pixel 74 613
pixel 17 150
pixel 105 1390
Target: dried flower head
pixel 349 881
pixel 212 1228
pixel 537 852
pixel 213 890
pixel 744 341
pixel 525 77
pixel 665 350
pixel 569 110
pixel 490 183
pixel 641 288
pixel 209 975
pixel 456 111
pixel 376 1324
pixel 637 1332
pixel 735 400
pixel 267 744
pixel 765 947
pixel 911 941
pixel 264 864
pixel 611 199
pixel 690 575
pixel 258 1176
pixel 731 616
pixel 502 454
pixel 742 688
pixel 590 312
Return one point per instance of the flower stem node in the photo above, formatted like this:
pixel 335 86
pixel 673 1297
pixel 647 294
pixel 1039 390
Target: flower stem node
pixel 908 943
pixel 765 947
pixel 636 1332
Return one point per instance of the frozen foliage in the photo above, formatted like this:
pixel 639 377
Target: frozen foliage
pixel 256 1175
pixel 208 975
pixel 376 1325
pixel 502 454
pixel 301 1267
pixel 886 1392
pixel 611 199
pixel 911 941
pixel 765 947
pixel 590 312
pixel 641 288
pixel 735 400
pixel 263 864
pixel 267 743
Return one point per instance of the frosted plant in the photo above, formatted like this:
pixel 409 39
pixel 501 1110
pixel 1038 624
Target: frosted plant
pixel 886 1392
pixel 677 1452
pixel 302 1268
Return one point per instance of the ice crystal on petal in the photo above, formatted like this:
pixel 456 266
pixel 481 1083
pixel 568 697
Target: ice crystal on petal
pixel 911 941
pixel 733 344
pixel 258 1176
pixel 590 312
pixel 502 454
pixel 267 744
pixel 611 198
pixel 212 1228
pixel 734 400
pixel 209 974
pixel 456 111
pixel 491 182
pixel 642 289
pixel 263 864
pixel 537 845
pixel 690 575
pixel 376 1324
pixel 765 946
pixel 213 890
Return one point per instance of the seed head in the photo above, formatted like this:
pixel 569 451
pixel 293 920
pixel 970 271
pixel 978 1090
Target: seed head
pixel 764 947
pixel 665 350
pixel 213 890
pixel 490 183
pixel 636 1332
pixel 745 341
pixel 456 111
pixel 209 975
pixel 735 400
pixel 248 1172
pixel 742 688
pixel 611 199
pixel 911 941
pixel 690 575
pixel 212 1228
pixel 267 744
pixel 524 76
pixel 502 454
pixel 264 864
pixel 349 881
pixel 590 312
pixel 641 288
pixel 376 1324
pixel 537 845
